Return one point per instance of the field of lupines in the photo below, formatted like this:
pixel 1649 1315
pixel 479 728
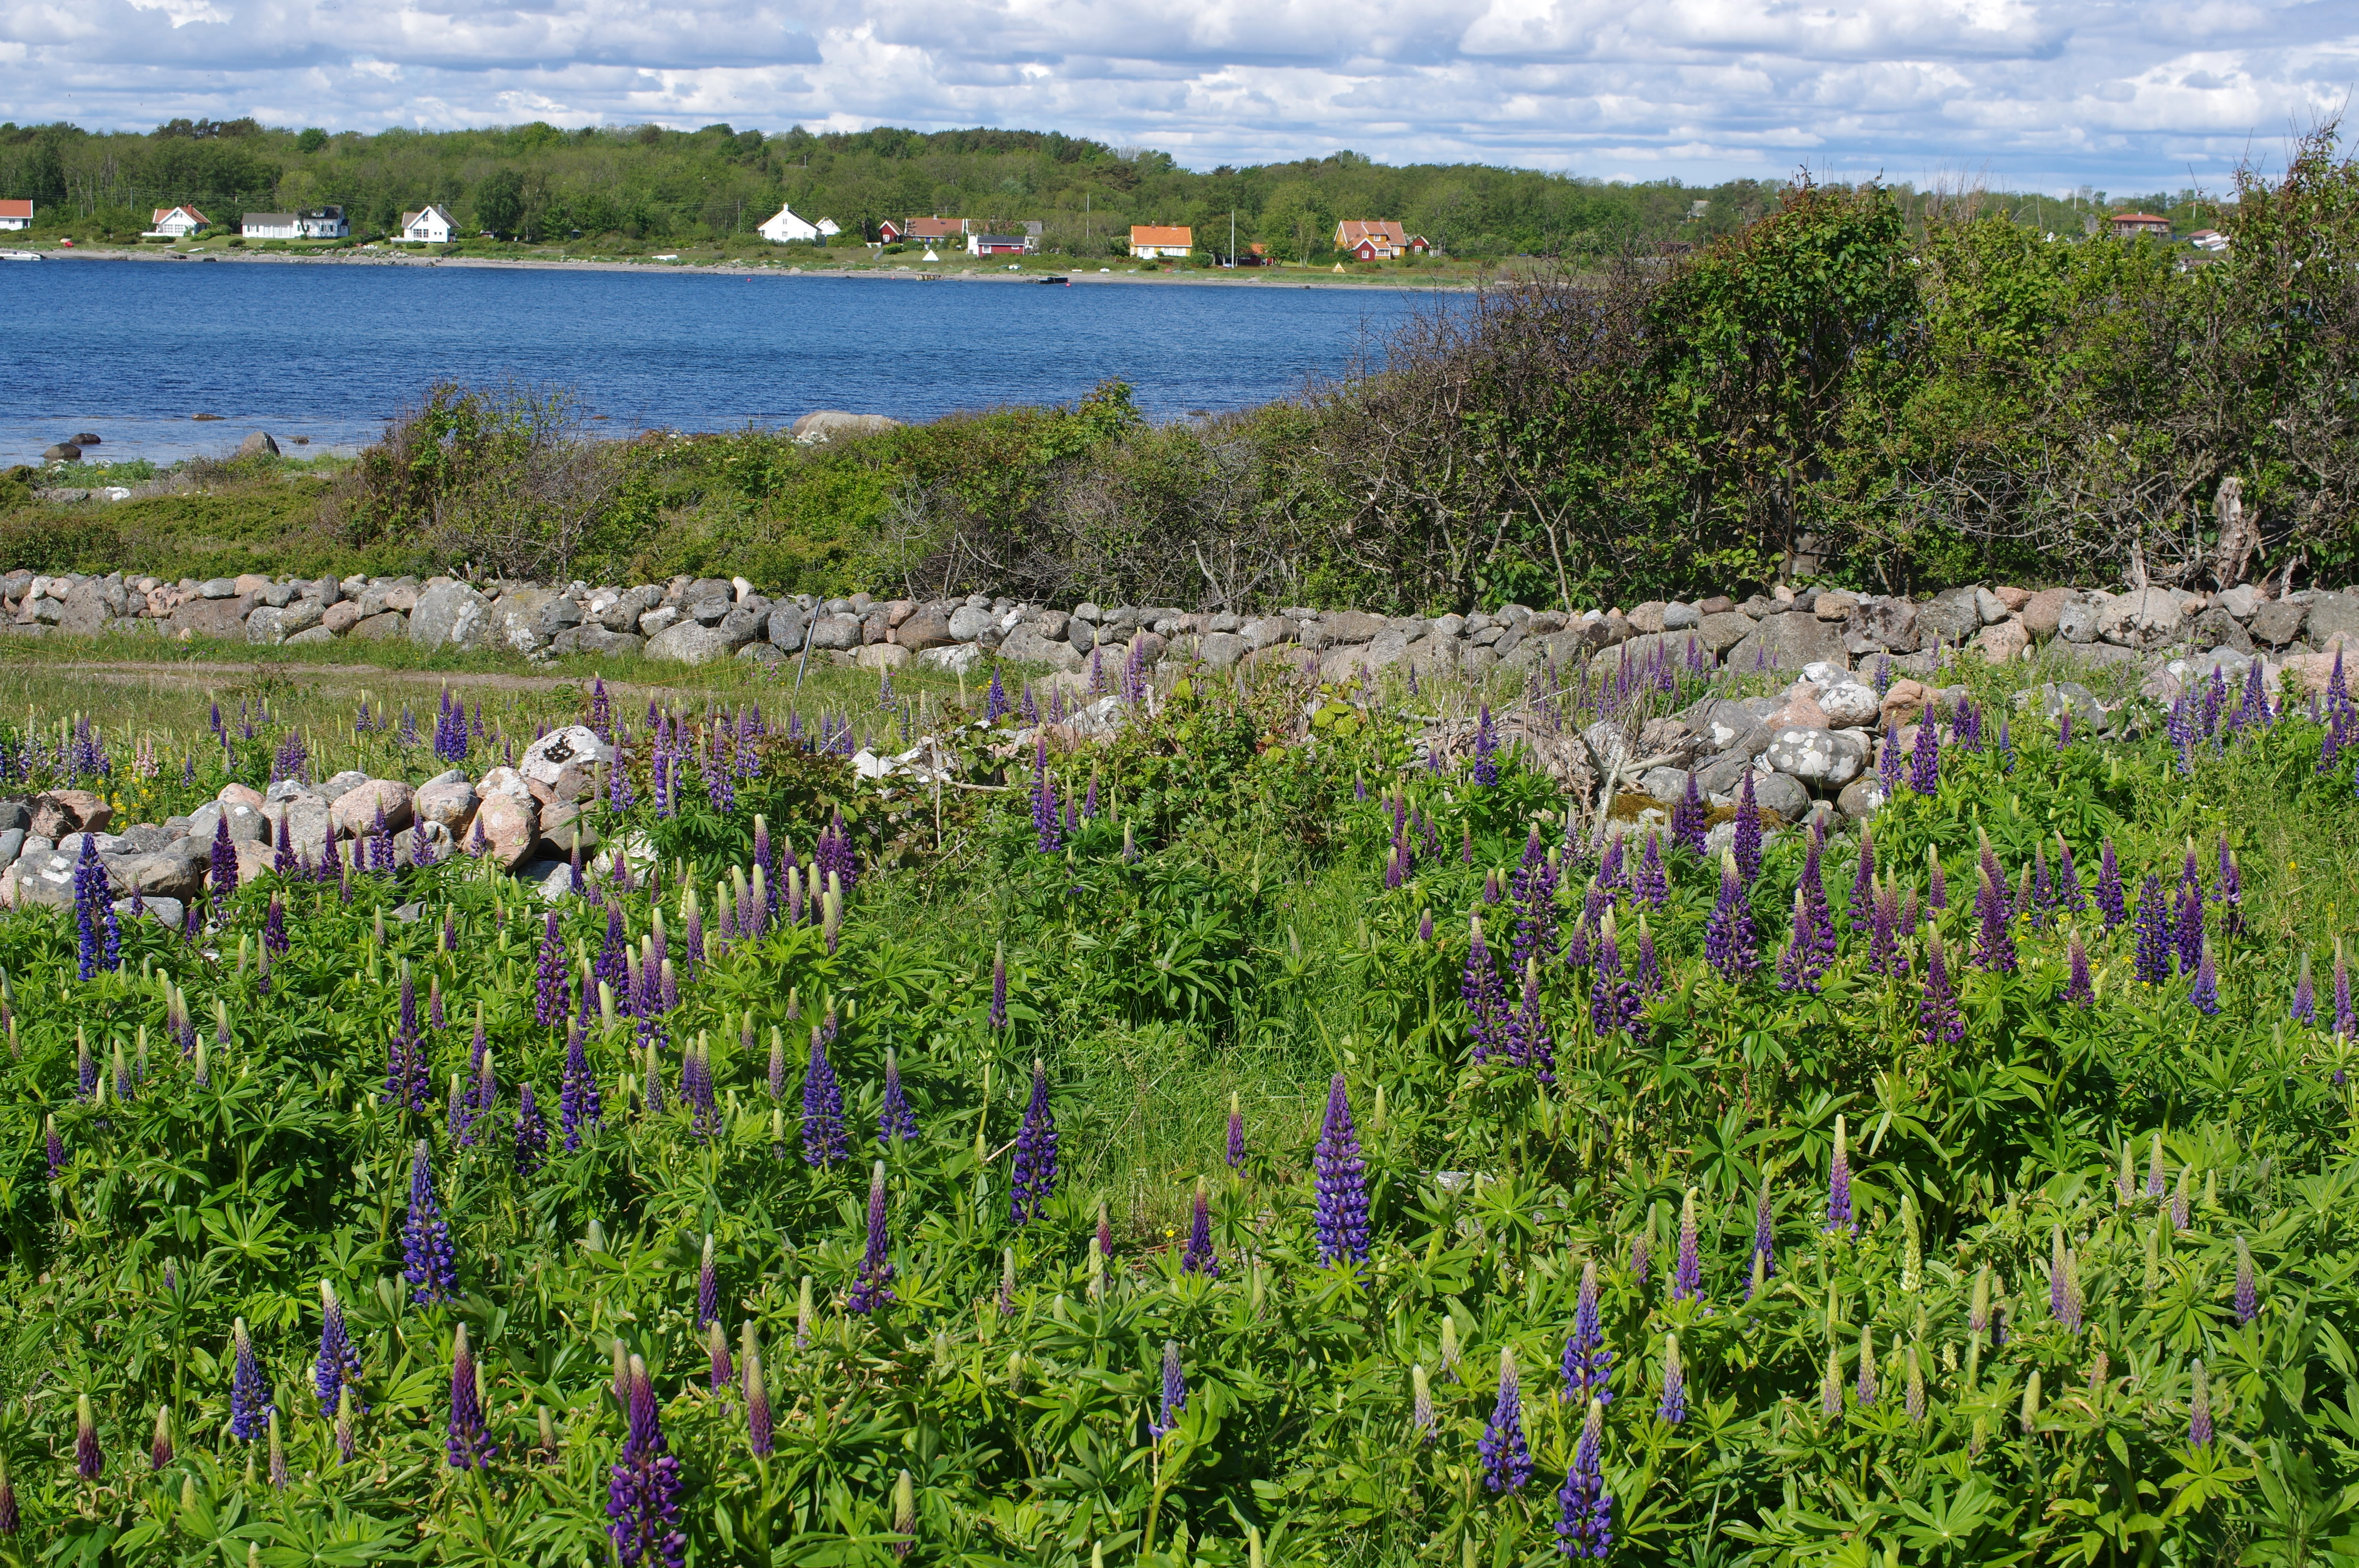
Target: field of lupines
pixel 1244 1138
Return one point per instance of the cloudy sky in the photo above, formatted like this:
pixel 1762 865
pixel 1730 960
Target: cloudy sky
pixel 2124 95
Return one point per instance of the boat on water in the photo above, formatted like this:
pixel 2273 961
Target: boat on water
pixel 20 255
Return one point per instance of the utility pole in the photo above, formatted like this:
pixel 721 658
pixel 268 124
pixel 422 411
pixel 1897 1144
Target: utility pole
pixel 1233 239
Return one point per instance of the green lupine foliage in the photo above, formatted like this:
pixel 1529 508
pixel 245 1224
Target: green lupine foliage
pixel 1251 946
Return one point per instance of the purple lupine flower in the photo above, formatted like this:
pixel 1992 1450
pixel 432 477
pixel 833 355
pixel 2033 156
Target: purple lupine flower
pixel 1687 1275
pixel 2229 889
pixel 1925 758
pixel 2200 1431
pixel 1994 946
pixel 89 1462
pixel 1584 1525
pixel 2069 896
pixel 1729 940
pixel 1486 746
pixel 2305 998
pixel 467 1442
pixel 642 1491
pixel 1647 975
pixel 1688 818
pixel 1340 1184
pixel 159 1448
pixel 1507 1458
pixel 995 705
pixel 1485 997
pixel 1839 1215
pixel 1613 1004
pixel 91 895
pixel 1642 1255
pixel 2248 1290
pixel 1938 1013
pixel 56 1147
pixel 1672 1407
pixel 696 1089
pixel 1175 1394
pixel 224 861
pixel 2154 941
pixel 250 1401
pixel 2204 995
pixel 1649 885
pixel 874 1286
pixel 1887 760
pixel 896 1119
pixel 2187 926
pixel 1746 847
pixel 1200 1258
pixel 578 1101
pixel 719 1373
pixel 824 1139
pixel 532 1133
pixel 1587 1364
pixel 338 1366
pixel 1863 877
pixel 1236 1150
pixel 549 998
pixel 2109 897
pixel 760 1434
pixel 430 1266
pixel 1034 1180
pixel 1765 1240
pixel 1048 823
pixel 2081 990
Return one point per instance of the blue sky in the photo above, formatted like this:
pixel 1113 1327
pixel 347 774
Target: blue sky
pixel 2122 95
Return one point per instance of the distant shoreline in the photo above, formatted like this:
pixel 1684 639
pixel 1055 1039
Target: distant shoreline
pixel 944 272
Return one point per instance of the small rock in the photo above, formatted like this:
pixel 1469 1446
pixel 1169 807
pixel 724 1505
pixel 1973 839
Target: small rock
pixel 257 444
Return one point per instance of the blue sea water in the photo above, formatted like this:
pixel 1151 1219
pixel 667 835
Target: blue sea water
pixel 131 349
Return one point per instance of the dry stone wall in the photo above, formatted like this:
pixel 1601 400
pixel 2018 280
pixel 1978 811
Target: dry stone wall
pixel 695 621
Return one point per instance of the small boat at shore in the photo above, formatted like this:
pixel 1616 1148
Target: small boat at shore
pixel 19 256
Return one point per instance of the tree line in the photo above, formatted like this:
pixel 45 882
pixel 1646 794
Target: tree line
pixel 647 184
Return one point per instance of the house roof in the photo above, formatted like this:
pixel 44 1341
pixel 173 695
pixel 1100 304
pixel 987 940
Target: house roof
pixel 16 208
pixel 434 207
pixel 283 219
pixel 1383 231
pixel 336 213
pixel 1154 234
pixel 935 228
pixel 164 212
pixel 2137 218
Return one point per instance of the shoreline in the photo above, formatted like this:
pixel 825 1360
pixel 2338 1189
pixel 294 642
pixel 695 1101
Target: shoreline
pixel 941 272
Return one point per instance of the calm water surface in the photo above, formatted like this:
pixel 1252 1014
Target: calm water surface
pixel 129 350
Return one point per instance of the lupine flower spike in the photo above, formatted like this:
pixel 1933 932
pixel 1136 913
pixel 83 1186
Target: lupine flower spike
pixel 1507 1458
pixel 1839 1215
pixel 1672 1407
pixel 1342 1184
pixel 874 1286
pixel 1585 1509
pixel 1587 1364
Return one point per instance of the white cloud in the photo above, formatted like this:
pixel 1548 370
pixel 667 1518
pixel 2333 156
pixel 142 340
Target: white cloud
pixel 2123 93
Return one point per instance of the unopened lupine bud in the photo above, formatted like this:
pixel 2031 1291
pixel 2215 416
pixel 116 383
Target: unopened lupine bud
pixel 2031 1400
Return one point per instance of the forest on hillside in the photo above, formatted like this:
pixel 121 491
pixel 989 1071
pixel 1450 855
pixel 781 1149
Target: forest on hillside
pixel 646 183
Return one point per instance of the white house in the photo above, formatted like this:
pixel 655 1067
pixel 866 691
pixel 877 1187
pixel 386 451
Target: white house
pixel 268 226
pixel 785 228
pixel 322 223
pixel 829 228
pixel 16 214
pixel 175 223
pixel 432 226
